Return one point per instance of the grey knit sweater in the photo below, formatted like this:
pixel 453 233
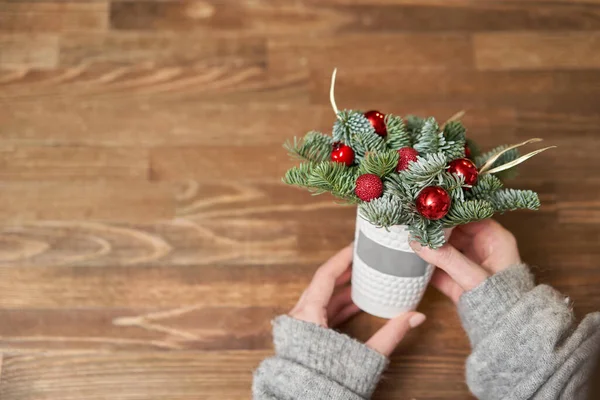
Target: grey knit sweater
pixel 524 347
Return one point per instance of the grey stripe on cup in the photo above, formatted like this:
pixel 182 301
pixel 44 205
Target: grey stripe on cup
pixel 389 261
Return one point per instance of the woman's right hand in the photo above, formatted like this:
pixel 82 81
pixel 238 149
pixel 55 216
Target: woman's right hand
pixel 475 252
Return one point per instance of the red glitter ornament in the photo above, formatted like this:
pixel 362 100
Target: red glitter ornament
pixel 407 154
pixel 342 153
pixel 368 187
pixel 464 167
pixel 377 119
pixel 433 202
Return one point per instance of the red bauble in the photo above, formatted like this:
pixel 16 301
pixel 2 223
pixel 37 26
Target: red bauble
pixel 467 151
pixel 368 187
pixel 433 202
pixel 407 154
pixel 464 167
pixel 343 154
pixel 377 119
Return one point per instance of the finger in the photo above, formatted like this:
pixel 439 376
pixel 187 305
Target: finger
pixel 344 315
pixel 386 339
pixel 321 288
pixel 344 278
pixel 339 300
pixel 445 284
pixel 460 240
pixel 475 228
pixel 464 271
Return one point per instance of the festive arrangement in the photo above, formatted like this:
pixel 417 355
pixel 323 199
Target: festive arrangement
pixel 409 171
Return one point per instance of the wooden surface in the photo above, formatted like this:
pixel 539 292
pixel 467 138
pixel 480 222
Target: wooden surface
pixel 146 239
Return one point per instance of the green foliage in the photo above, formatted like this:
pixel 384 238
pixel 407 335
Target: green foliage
pixel 365 142
pixel 429 139
pixel 454 185
pixel 314 147
pixel 379 156
pixel 333 177
pixel 414 125
pixel 509 156
pixel 427 233
pixel 468 211
pixel 425 171
pixel 380 164
pixel 351 123
pixel 512 199
pixel 454 146
pixel 486 185
pixel 397 134
pixel 385 211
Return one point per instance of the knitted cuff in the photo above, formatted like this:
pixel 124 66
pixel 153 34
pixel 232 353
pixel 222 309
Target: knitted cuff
pixel 335 355
pixel 482 307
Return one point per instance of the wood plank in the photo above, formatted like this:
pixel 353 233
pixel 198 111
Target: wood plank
pixel 127 201
pixel 223 84
pixel 264 163
pixel 139 122
pixel 49 16
pixel 274 17
pixel 443 50
pixel 534 51
pixel 161 48
pixel 67 163
pixel 18 51
pixel 187 375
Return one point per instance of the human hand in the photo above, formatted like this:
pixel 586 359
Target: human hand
pixel 475 251
pixel 327 302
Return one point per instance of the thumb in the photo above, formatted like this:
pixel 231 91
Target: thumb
pixel 386 339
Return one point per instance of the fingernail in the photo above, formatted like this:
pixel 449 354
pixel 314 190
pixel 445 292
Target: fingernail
pixel 416 246
pixel 416 320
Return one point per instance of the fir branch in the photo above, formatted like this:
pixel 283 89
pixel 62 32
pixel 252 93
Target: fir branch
pixel 413 126
pixel 380 164
pixel 318 178
pixel 430 139
pixel 453 184
pixel 384 211
pixel 366 142
pixel 454 146
pixel 467 211
pixel 395 185
pixel 314 147
pixel 397 134
pixel 427 233
pixel 425 171
pixel 512 199
pixel 349 123
pixel 486 185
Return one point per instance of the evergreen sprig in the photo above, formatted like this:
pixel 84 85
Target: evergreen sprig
pixel 455 140
pixel 486 185
pixel 385 211
pixel 468 211
pixel 429 139
pixel 453 184
pixel 336 178
pixel 513 199
pixel 314 147
pixel 350 123
pixel 425 171
pixel 397 134
pixel 380 164
pixel 427 233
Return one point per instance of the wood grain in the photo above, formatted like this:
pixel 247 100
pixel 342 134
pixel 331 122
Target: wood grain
pixel 47 16
pixel 533 51
pixel 146 240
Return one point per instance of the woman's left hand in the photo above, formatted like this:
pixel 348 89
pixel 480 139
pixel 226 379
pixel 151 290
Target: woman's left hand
pixel 327 302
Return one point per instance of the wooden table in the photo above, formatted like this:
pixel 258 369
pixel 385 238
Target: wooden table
pixel 146 239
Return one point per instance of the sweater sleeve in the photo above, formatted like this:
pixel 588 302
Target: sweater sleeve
pixel 525 342
pixel 312 362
